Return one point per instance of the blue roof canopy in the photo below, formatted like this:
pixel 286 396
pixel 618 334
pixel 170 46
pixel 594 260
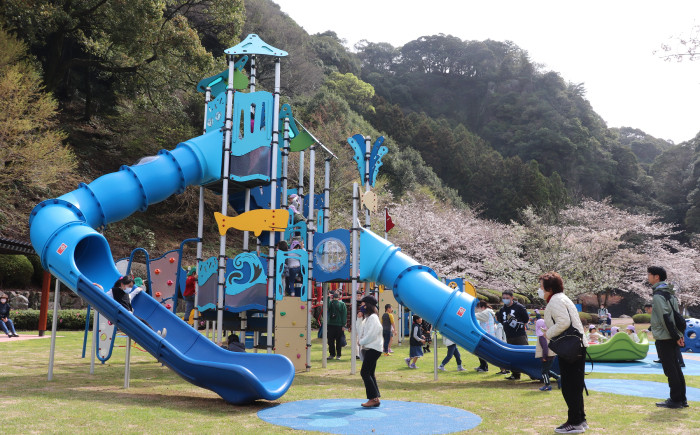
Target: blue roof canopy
pixel 252 44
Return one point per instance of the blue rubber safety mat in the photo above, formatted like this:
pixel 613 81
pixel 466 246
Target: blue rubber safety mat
pixel 630 387
pixel 346 416
pixel 647 366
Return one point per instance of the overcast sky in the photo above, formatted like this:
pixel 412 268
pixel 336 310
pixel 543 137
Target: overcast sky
pixel 607 45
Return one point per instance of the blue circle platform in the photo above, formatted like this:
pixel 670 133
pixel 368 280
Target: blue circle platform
pixel 628 387
pixel 346 416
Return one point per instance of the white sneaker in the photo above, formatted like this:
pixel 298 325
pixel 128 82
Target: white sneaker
pixel 460 369
pixel 162 332
pixel 441 368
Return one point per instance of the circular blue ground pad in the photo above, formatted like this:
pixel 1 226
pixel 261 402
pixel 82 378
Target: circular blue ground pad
pixel 646 366
pixel 346 416
pixel 629 387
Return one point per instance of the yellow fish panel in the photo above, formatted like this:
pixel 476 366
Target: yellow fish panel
pixel 256 221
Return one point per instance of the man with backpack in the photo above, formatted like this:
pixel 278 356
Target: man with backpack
pixel 337 318
pixel 668 328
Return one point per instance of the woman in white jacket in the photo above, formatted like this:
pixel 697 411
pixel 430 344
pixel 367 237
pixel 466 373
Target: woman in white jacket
pixel 372 341
pixel 559 315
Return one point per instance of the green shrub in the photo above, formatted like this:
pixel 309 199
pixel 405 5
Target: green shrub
pixel 585 318
pixel 594 318
pixel 641 318
pixel 521 298
pixel 15 271
pixel 492 297
pixel 28 320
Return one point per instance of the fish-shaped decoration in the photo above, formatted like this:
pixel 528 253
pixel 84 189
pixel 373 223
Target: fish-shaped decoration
pixel 256 221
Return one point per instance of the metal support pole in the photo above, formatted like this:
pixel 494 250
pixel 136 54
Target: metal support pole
pixel 127 363
pixel 355 274
pixel 285 164
pixel 251 86
pixel 228 126
pixel 54 327
pixel 200 220
pixel 273 205
pixel 435 355
pixel 326 219
pixel 310 250
pixel 45 294
pixel 93 347
pixel 324 327
pixel 300 186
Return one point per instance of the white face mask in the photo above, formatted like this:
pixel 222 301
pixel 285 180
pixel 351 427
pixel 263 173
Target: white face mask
pixel 3 300
pixel 540 293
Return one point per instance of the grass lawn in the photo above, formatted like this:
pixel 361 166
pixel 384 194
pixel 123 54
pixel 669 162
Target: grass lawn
pixel 161 402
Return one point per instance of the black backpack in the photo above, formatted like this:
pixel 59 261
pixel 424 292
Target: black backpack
pixel 678 319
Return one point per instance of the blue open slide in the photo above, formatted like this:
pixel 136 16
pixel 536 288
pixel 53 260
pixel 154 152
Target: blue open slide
pixel 450 311
pixel 63 232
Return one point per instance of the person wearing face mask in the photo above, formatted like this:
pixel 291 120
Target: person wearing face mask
pixel 372 342
pixel 7 326
pixel 513 316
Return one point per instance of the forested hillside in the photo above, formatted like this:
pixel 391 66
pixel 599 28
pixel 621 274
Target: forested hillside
pixel 476 123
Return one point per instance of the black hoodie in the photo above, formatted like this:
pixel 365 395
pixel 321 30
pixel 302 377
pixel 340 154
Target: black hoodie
pixel 5 310
pixel 122 297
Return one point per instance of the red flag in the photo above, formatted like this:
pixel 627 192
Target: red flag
pixel 389 224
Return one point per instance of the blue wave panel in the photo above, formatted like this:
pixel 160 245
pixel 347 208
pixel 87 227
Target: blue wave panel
pixel 452 312
pixel 61 231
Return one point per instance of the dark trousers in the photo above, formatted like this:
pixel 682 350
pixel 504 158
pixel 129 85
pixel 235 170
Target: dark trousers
pixel 667 350
pixel 189 307
pixel 369 364
pixel 546 370
pixel 572 383
pixel 387 340
pixel 334 334
pixel 483 364
pixel 294 272
pixel 520 340
pixel 452 350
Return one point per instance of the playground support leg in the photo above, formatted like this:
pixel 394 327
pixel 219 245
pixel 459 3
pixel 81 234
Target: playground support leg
pixel 54 326
pixel 273 205
pixel 93 347
pixel 87 330
pixel 435 355
pixel 324 339
pixel 43 310
pixel 127 363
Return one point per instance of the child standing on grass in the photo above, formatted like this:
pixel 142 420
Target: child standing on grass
pixel 387 327
pixel 451 350
pixel 542 351
pixel 417 341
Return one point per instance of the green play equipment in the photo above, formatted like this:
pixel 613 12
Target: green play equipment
pixel 620 347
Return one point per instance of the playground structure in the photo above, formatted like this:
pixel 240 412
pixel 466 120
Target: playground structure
pixel 63 233
pixel 245 293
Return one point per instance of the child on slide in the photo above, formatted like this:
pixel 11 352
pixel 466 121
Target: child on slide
pixel 123 293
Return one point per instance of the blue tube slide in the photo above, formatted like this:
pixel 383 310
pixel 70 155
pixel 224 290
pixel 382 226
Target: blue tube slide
pixel 63 233
pixel 450 311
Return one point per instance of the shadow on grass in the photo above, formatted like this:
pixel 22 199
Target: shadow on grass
pixel 74 383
